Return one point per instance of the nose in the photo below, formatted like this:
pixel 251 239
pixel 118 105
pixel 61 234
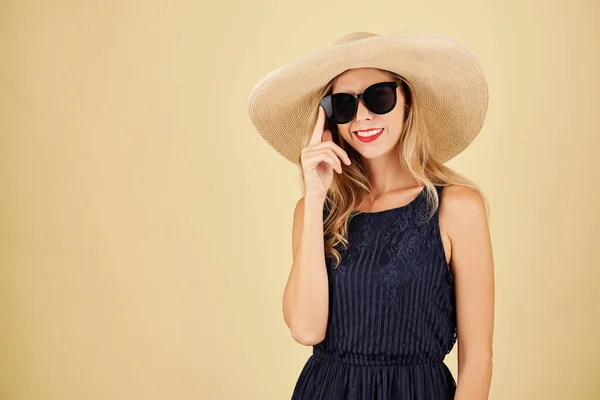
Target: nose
pixel 363 113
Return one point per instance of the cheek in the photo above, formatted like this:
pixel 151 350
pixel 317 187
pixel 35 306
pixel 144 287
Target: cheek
pixel 344 131
pixel 395 123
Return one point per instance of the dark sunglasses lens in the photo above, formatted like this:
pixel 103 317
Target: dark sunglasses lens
pixel 343 106
pixel 380 99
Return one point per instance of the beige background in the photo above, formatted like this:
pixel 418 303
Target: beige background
pixel 146 227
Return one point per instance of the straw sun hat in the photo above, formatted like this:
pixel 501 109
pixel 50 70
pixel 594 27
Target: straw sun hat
pixel 446 78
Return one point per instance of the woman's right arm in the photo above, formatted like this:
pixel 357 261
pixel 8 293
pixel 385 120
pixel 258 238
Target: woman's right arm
pixel 306 295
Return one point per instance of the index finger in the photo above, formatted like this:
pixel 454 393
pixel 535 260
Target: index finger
pixel 319 126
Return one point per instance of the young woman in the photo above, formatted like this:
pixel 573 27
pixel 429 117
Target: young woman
pixel 392 259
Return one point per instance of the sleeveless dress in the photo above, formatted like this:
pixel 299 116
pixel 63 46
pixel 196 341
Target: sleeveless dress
pixel 392 316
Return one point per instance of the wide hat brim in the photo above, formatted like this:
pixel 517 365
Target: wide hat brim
pixel 448 83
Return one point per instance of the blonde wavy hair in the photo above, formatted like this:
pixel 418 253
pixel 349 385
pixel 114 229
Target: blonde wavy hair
pixel 348 189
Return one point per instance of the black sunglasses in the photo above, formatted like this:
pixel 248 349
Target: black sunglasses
pixel 379 98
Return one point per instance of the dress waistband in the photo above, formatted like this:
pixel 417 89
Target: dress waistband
pixel 374 360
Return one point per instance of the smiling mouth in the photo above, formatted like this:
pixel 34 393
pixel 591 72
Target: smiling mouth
pixel 368 136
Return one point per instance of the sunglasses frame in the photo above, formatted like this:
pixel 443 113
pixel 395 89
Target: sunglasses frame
pixel 327 104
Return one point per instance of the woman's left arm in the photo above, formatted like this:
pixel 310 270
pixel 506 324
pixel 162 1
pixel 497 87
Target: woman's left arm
pixel 465 222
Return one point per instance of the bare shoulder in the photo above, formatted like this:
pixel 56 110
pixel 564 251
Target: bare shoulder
pixel 465 219
pixel 462 209
pixel 462 201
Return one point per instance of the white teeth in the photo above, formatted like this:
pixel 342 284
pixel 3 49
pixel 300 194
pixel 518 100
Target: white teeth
pixel 369 133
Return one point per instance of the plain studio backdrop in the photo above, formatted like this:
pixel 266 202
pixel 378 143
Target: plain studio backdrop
pixel 146 226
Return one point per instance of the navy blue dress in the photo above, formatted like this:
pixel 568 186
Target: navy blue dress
pixel 392 316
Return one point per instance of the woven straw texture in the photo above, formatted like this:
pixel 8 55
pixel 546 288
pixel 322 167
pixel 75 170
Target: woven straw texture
pixel 448 82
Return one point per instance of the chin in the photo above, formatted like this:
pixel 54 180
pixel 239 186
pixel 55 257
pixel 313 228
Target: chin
pixel 371 154
pixel 374 153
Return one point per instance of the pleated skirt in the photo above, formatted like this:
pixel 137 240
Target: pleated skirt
pixel 324 377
